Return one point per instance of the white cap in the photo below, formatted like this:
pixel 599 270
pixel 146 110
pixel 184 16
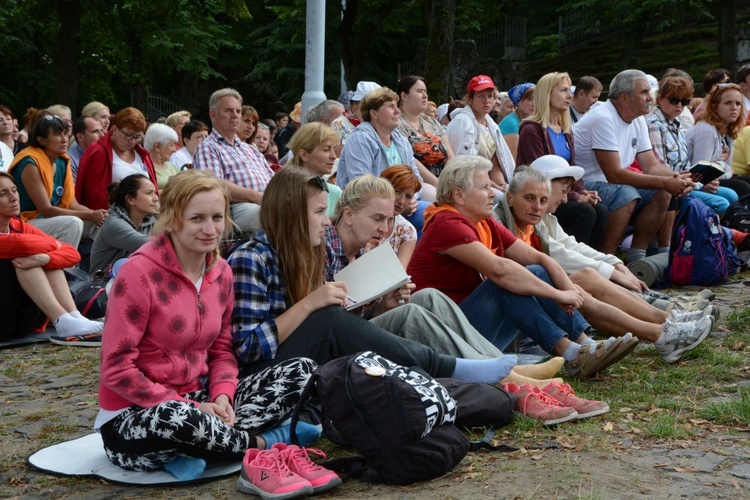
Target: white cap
pixel 556 167
pixel 442 111
pixel 364 88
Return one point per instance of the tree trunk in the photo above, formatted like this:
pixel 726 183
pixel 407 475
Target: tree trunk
pixel 440 49
pixel 727 33
pixel 68 53
pixel 346 44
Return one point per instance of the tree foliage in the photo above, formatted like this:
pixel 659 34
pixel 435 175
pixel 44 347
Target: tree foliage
pixel 75 51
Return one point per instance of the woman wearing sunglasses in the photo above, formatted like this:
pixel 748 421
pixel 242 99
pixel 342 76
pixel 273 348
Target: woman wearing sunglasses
pixel 112 158
pixel 670 144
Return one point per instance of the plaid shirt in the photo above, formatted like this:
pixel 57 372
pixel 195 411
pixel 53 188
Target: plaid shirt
pixel 259 298
pixel 668 141
pixel 335 257
pixel 238 163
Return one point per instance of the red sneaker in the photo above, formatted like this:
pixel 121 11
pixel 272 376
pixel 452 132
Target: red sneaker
pixel 565 395
pixel 266 475
pixel 298 461
pixel 534 403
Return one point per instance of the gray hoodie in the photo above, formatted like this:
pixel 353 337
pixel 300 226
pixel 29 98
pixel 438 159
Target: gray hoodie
pixel 118 238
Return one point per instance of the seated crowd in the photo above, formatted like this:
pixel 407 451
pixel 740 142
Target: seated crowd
pixel 507 209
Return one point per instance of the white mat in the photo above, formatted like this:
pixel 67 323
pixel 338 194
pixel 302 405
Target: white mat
pixel 85 457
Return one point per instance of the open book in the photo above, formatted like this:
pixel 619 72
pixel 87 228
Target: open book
pixel 373 275
pixel 710 170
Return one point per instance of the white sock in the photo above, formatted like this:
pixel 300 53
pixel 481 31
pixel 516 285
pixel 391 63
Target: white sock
pixel 68 325
pixel 99 325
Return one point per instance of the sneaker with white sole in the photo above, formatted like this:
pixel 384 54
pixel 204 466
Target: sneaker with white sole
pixel 265 474
pixel 584 407
pixel 537 404
pixel 683 316
pixel 683 337
pixel 298 461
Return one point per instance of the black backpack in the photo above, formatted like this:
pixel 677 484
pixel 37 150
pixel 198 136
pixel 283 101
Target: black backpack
pixel 737 215
pixel 90 297
pixel 400 419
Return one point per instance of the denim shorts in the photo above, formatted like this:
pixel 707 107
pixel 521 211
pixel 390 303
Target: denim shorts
pixel 615 196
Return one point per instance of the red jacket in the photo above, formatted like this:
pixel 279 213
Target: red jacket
pixel 25 240
pixel 95 173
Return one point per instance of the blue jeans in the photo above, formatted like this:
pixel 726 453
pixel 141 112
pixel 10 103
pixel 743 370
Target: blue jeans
pixel 499 314
pixel 718 202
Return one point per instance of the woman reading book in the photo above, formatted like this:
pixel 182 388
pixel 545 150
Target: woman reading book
pixel 284 306
pixel 712 137
pixel 670 144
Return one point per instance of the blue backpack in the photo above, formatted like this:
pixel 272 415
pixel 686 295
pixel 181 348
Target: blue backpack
pixel 701 251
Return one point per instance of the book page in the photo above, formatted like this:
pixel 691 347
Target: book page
pixel 373 275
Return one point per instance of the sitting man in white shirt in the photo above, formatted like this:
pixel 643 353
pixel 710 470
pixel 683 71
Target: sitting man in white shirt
pixel 609 139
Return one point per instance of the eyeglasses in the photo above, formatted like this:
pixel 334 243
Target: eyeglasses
pixel 131 137
pixel 675 101
pixel 319 182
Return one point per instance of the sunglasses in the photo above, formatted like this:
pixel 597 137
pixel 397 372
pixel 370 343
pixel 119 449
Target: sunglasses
pixel 675 101
pixel 727 85
pixel 319 182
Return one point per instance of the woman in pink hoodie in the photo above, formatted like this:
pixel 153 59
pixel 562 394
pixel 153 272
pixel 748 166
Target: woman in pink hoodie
pixel 169 394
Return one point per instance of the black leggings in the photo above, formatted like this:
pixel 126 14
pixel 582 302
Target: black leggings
pixel 18 312
pixel 333 332
pixel 740 184
pixel 584 222
pixel 144 439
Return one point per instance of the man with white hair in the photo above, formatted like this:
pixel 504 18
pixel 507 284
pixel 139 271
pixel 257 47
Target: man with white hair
pixel 325 112
pixel 243 168
pixel 609 139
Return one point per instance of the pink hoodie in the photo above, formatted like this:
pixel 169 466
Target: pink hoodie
pixel 161 337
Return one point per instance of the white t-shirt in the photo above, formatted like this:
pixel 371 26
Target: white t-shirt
pixel 181 157
pixel 6 157
pixel 122 169
pixel 603 129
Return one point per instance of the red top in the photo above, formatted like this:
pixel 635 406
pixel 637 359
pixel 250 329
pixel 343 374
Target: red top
pixel 430 269
pixel 25 240
pixel 95 173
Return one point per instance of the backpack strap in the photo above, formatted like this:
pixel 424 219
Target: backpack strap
pixel 353 467
pixel 91 301
pixel 303 398
pixel 486 443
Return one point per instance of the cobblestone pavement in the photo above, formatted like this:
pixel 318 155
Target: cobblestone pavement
pixel 48 394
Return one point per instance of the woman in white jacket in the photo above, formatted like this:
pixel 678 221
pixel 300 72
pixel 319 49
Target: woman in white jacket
pixel 473 132
pixel 609 307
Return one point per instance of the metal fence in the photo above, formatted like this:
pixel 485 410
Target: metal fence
pixel 579 25
pixel 507 40
pixel 159 106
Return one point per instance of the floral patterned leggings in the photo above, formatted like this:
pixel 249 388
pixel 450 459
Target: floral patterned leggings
pixel 144 439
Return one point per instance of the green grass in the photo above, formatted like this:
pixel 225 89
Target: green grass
pixel 652 401
pixel 734 413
